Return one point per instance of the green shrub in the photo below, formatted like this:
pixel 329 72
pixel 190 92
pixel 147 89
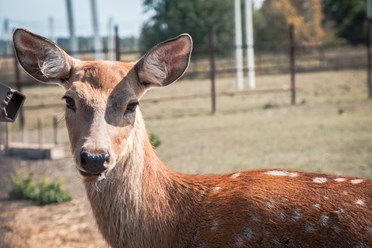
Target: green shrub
pixel 44 192
pixel 155 140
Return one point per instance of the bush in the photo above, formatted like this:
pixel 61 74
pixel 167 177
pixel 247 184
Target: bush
pixel 44 192
pixel 155 140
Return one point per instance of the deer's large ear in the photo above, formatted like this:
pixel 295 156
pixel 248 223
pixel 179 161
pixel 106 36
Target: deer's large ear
pixel 165 63
pixel 41 58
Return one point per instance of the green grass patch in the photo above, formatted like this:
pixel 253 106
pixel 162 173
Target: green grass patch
pixel 155 140
pixel 43 192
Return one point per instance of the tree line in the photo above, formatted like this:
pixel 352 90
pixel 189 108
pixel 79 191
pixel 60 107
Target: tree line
pixel 315 21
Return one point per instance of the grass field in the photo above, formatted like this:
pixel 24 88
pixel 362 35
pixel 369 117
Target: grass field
pixel 329 130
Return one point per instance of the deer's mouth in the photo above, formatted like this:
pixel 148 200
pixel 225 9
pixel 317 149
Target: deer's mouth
pixel 91 177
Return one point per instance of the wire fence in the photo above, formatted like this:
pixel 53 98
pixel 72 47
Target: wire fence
pixel 270 58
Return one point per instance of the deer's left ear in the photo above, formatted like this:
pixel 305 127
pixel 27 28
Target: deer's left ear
pixel 42 58
pixel 165 63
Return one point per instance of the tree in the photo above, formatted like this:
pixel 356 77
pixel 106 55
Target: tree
pixel 172 18
pixel 305 15
pixel 348 18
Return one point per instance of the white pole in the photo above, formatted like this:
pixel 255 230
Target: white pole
pixel 97 38
pixel 71 26
pixel 238 45
pixel 51 30
pixel 250 44
pixel 7 35
pixel 111 40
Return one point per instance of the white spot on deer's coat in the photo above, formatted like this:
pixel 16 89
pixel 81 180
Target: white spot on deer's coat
pixel 276 241
pixel 216 188
pixel 214 224
pixel 277 173
pixel 293 174
pixel 337 229
pixel 235 175
pixel 340 179
pixel 341 210
pixel 360 202
pixel 356 181
pixel 319 180
pixel 255 217
pixel 370 231
pixel 309 227
pixel 360 246
pixel 281 173
pixel 248 233
pixel 324 219
pixel 239 241
pixel 201 194
pixel 282 216
pixel 316 205
pixel 270 204
pixel 296 215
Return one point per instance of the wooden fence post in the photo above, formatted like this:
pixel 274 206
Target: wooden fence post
pixel 55 130
pixel 292 63
pixel 211 50
pixel 40 133
pixel 24 132
pixel 8 138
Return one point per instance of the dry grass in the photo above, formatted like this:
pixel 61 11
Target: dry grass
pixel 328 130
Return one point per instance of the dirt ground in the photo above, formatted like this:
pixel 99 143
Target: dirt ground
pixel 24 224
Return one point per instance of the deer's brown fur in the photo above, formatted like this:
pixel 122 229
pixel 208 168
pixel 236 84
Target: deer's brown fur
pixel 142 203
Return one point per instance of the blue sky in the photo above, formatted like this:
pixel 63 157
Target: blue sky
pixel 34 15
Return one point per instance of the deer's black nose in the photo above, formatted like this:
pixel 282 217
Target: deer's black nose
pixel 94 164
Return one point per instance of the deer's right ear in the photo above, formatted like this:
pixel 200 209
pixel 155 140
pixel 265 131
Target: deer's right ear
pixel 165 62
pixel 42 58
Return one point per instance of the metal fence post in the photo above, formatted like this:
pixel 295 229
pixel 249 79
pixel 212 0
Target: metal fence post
pixel 369 54
pixel 292 63
pixel 211 50
pixel 117 43
pixel 55 130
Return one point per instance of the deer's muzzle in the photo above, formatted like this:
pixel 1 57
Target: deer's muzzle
pixel 94 164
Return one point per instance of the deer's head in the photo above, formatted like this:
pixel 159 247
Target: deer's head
pixel 101 96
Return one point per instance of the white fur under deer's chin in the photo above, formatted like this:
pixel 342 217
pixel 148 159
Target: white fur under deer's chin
pixel 101 176
pixel 94 178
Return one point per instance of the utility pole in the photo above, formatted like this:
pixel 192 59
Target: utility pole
pixel 71 28
pixel 238 45
pixel 111 40
pixel 51 30
pixel 97 38
pixel 8 50
pixel 250 44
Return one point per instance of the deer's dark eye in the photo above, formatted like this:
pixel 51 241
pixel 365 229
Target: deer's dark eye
pixel 70 104
pixel 131 108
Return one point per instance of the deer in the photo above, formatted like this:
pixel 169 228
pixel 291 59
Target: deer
pixel 139 202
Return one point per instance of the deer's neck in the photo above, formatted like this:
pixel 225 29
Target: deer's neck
pixel 140 201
